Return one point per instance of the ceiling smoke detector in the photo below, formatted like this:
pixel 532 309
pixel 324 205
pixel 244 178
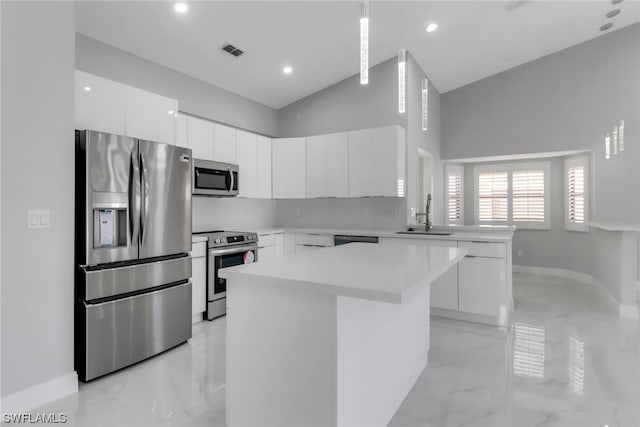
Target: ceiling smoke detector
pixel 231 49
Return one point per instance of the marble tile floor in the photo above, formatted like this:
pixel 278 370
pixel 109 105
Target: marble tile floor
pixel 568 360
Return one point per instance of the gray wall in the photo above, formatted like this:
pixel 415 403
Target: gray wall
pixel 347 105
pixel 37 173
pixel 564 101
pixel 194 96
pixel 429 140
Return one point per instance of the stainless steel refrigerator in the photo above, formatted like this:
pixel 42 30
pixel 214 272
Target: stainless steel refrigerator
pixel 133 235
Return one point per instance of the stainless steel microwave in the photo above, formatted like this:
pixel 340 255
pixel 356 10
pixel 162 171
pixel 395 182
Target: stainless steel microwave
pixel 214 178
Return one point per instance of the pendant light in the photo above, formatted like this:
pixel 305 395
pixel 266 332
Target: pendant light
pixel 364 44
pixel 402 63
pixel 425 104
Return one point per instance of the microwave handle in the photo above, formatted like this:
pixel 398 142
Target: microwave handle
pixel 231 181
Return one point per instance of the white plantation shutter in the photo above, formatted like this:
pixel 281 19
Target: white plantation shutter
pixel 576 179
pixel 513 194
pixel 493 192
pixel 528 196
pixel 455 194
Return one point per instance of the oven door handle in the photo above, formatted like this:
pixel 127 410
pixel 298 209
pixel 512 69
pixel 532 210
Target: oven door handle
pixel 235 249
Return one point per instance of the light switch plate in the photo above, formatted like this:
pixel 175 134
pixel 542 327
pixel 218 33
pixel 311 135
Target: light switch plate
pixel 38 219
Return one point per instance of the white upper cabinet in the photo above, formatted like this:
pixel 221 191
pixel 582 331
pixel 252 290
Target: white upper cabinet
pixel 224 144
pixel 182 136
pixel 360 163
pixel 108 106
pixel 150 116
pixel 316 167
pixel 337 164
pixel 99 104
pixel 377 162
pixel 388 165
pixel 263 149
pixel 289 173
pixel 200 138
pixel 248 164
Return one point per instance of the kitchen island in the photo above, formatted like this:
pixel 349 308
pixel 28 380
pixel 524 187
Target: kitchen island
pixel 336 336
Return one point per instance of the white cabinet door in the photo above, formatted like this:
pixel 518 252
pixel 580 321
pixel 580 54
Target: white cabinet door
pixel 247 163
pixel 316 167
pixel 337 164
pixel 279 244
pixel 224 144
pixel 182 137
pixel 387 162
pixel 199 284
pixel 305 248
pixel 102 106
pixel 265 253
pixel 150 116
pixel 289 162
pixel 263 149
pixel 200 138
pixel 482 285
pixel 444 290
pixel 360 163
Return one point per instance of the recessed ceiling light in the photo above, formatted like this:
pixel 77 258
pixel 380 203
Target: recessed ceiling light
pixel 87 88
pixel 432 27
pixel 612 13
pixel 287 70
pixel 181 7
pixel 606 26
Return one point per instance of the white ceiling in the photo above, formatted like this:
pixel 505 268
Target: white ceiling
pixel 320 39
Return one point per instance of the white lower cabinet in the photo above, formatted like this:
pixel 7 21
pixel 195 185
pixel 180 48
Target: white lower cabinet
pixel 482 285
pixel 198 280
pixel 266 252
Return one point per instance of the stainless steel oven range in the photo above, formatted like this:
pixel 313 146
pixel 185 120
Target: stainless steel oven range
pixel 225 249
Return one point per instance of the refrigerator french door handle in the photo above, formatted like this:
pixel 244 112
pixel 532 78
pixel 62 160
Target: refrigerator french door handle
pixel 134 201
pixel 144 201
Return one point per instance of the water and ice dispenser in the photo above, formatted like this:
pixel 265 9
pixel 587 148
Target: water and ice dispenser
pixel 110 213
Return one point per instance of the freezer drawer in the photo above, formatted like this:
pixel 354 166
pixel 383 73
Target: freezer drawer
pixel 121 280
pixel 122 332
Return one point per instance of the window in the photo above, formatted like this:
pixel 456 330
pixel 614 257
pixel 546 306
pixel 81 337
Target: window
pixel 513 194
pixel 454 194
pixel 576 172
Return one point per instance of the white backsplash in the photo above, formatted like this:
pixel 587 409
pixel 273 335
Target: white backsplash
pixel 378 213
pixel 232 213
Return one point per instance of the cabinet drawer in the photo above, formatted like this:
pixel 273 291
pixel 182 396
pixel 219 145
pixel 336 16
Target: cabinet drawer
pixel 266 240
pixel 307 248
pixel 198 249
pixel 314 239
pixel 485 249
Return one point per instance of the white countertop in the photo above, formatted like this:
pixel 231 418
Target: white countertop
pixel 468 233
pixel 359 270
pixel 615 226
pixel 197 239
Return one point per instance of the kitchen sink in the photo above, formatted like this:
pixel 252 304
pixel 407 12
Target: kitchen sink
pixel 427 233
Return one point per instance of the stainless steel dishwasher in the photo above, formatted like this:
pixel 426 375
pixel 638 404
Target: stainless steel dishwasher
pixel 343 239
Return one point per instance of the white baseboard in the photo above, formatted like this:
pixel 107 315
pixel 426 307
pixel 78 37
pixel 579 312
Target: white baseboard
pixel 624 310
pixel 40 394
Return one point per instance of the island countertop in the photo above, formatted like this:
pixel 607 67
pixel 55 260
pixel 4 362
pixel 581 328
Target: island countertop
pixel 359 270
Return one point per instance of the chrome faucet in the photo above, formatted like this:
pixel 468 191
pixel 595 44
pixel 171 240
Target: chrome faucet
pixel 427 221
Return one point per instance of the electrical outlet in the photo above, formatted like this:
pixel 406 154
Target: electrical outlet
pixel 38 219
pixel 520 253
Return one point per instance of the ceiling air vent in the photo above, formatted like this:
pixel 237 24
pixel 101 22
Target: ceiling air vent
pixel 229 48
